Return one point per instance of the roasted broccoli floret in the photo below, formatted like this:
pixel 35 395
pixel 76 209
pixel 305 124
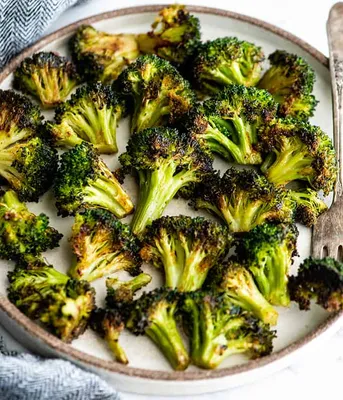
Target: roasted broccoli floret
pixel 290 80
pixel 22 232
pixel 296 150
pixel 185 248
pixel 154 314
pixel 224 61
pixel 158 93
pixel 307 205
pixel 320 280
pixel 47 76
pixel 109 323
pixel 243 199
pixel 91 115
pixel 62 304
pixel 235 279
pixel 228 123
pixel 122 292
pixel 165 161
pixel 101 56
pixel 217 329
pixel 102 245
pixel 175 35
pixel 84 180
pixel 268 252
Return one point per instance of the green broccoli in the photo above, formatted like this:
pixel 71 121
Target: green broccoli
pixel 160 95
pixel 290 80
pixel 224 61
pixel 268 252
pixel 84 180
pixel 185 248
pixel 101 56
pixel 91 115
pixel 102 245
pixel 165 161
pixel 47 76
pixel 320 280
pixel 217 329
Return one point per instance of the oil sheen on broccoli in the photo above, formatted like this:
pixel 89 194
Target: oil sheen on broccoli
pixel 101 56
pixel 268 252
pixel 158 93
pixel 185 248
pixel 102 245
pixel 217 328
pixel 243 199
pixel 224 61
pixel 165 161
pixel 84 180
pixel 47 76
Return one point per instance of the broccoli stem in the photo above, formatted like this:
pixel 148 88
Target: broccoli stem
pixel 193 275
pixel 112 339
pixel 11 200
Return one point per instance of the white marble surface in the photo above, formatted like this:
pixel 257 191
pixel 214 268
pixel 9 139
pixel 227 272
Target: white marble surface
pixel 319 375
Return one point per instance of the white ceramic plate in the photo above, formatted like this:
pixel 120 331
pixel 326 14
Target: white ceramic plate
pixel 148 371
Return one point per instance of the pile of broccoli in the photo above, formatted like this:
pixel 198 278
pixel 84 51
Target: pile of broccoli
pixel 225 276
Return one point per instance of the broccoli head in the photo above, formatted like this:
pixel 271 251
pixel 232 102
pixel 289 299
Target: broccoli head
pixel 47 76
pixel 91 115
pixel 320 280
pixel 308 206
pixel 296 150
pixel 175 35
pixel 185 248
pixel 101 56
pixel 22 232
pixel 217 328
pixel 224 61
pixel 109 323
pixel 290 80
pixel 154 314
pixel 228 123
pixel 84 180
pixel 158 93
pixel 165 161
pixel 243 199
pixel 62 304
pixel 102 245
pixel 268 252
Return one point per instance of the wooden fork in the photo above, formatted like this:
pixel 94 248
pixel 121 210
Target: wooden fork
pixel 327 238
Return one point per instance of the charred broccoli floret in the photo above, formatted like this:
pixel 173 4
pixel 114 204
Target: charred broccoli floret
pixel 268 252
pixel 175 35
pixel 228 123
pixel 165 161
pixel 84 180
pixel 217 329
pixel 243 199
pixel 235 279
pixel 154 314
pixel 290 80
pixel 102 245
pixel 91 115
pixel 22 232
pixel 185 248
pixel 109 323
pixel 298 151
pixel 308 206
pixel 319 280
pixel 101 56
pixel 160 95
pixel 47 76
pixel 62 304
pixel 224 61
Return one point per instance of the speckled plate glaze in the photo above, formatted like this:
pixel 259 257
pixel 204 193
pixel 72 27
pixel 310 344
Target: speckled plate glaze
pixel 148 372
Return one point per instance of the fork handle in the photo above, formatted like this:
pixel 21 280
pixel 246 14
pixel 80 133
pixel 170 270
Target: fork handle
pixel 335 40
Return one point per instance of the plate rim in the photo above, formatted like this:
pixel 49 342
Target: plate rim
pixel 112 366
